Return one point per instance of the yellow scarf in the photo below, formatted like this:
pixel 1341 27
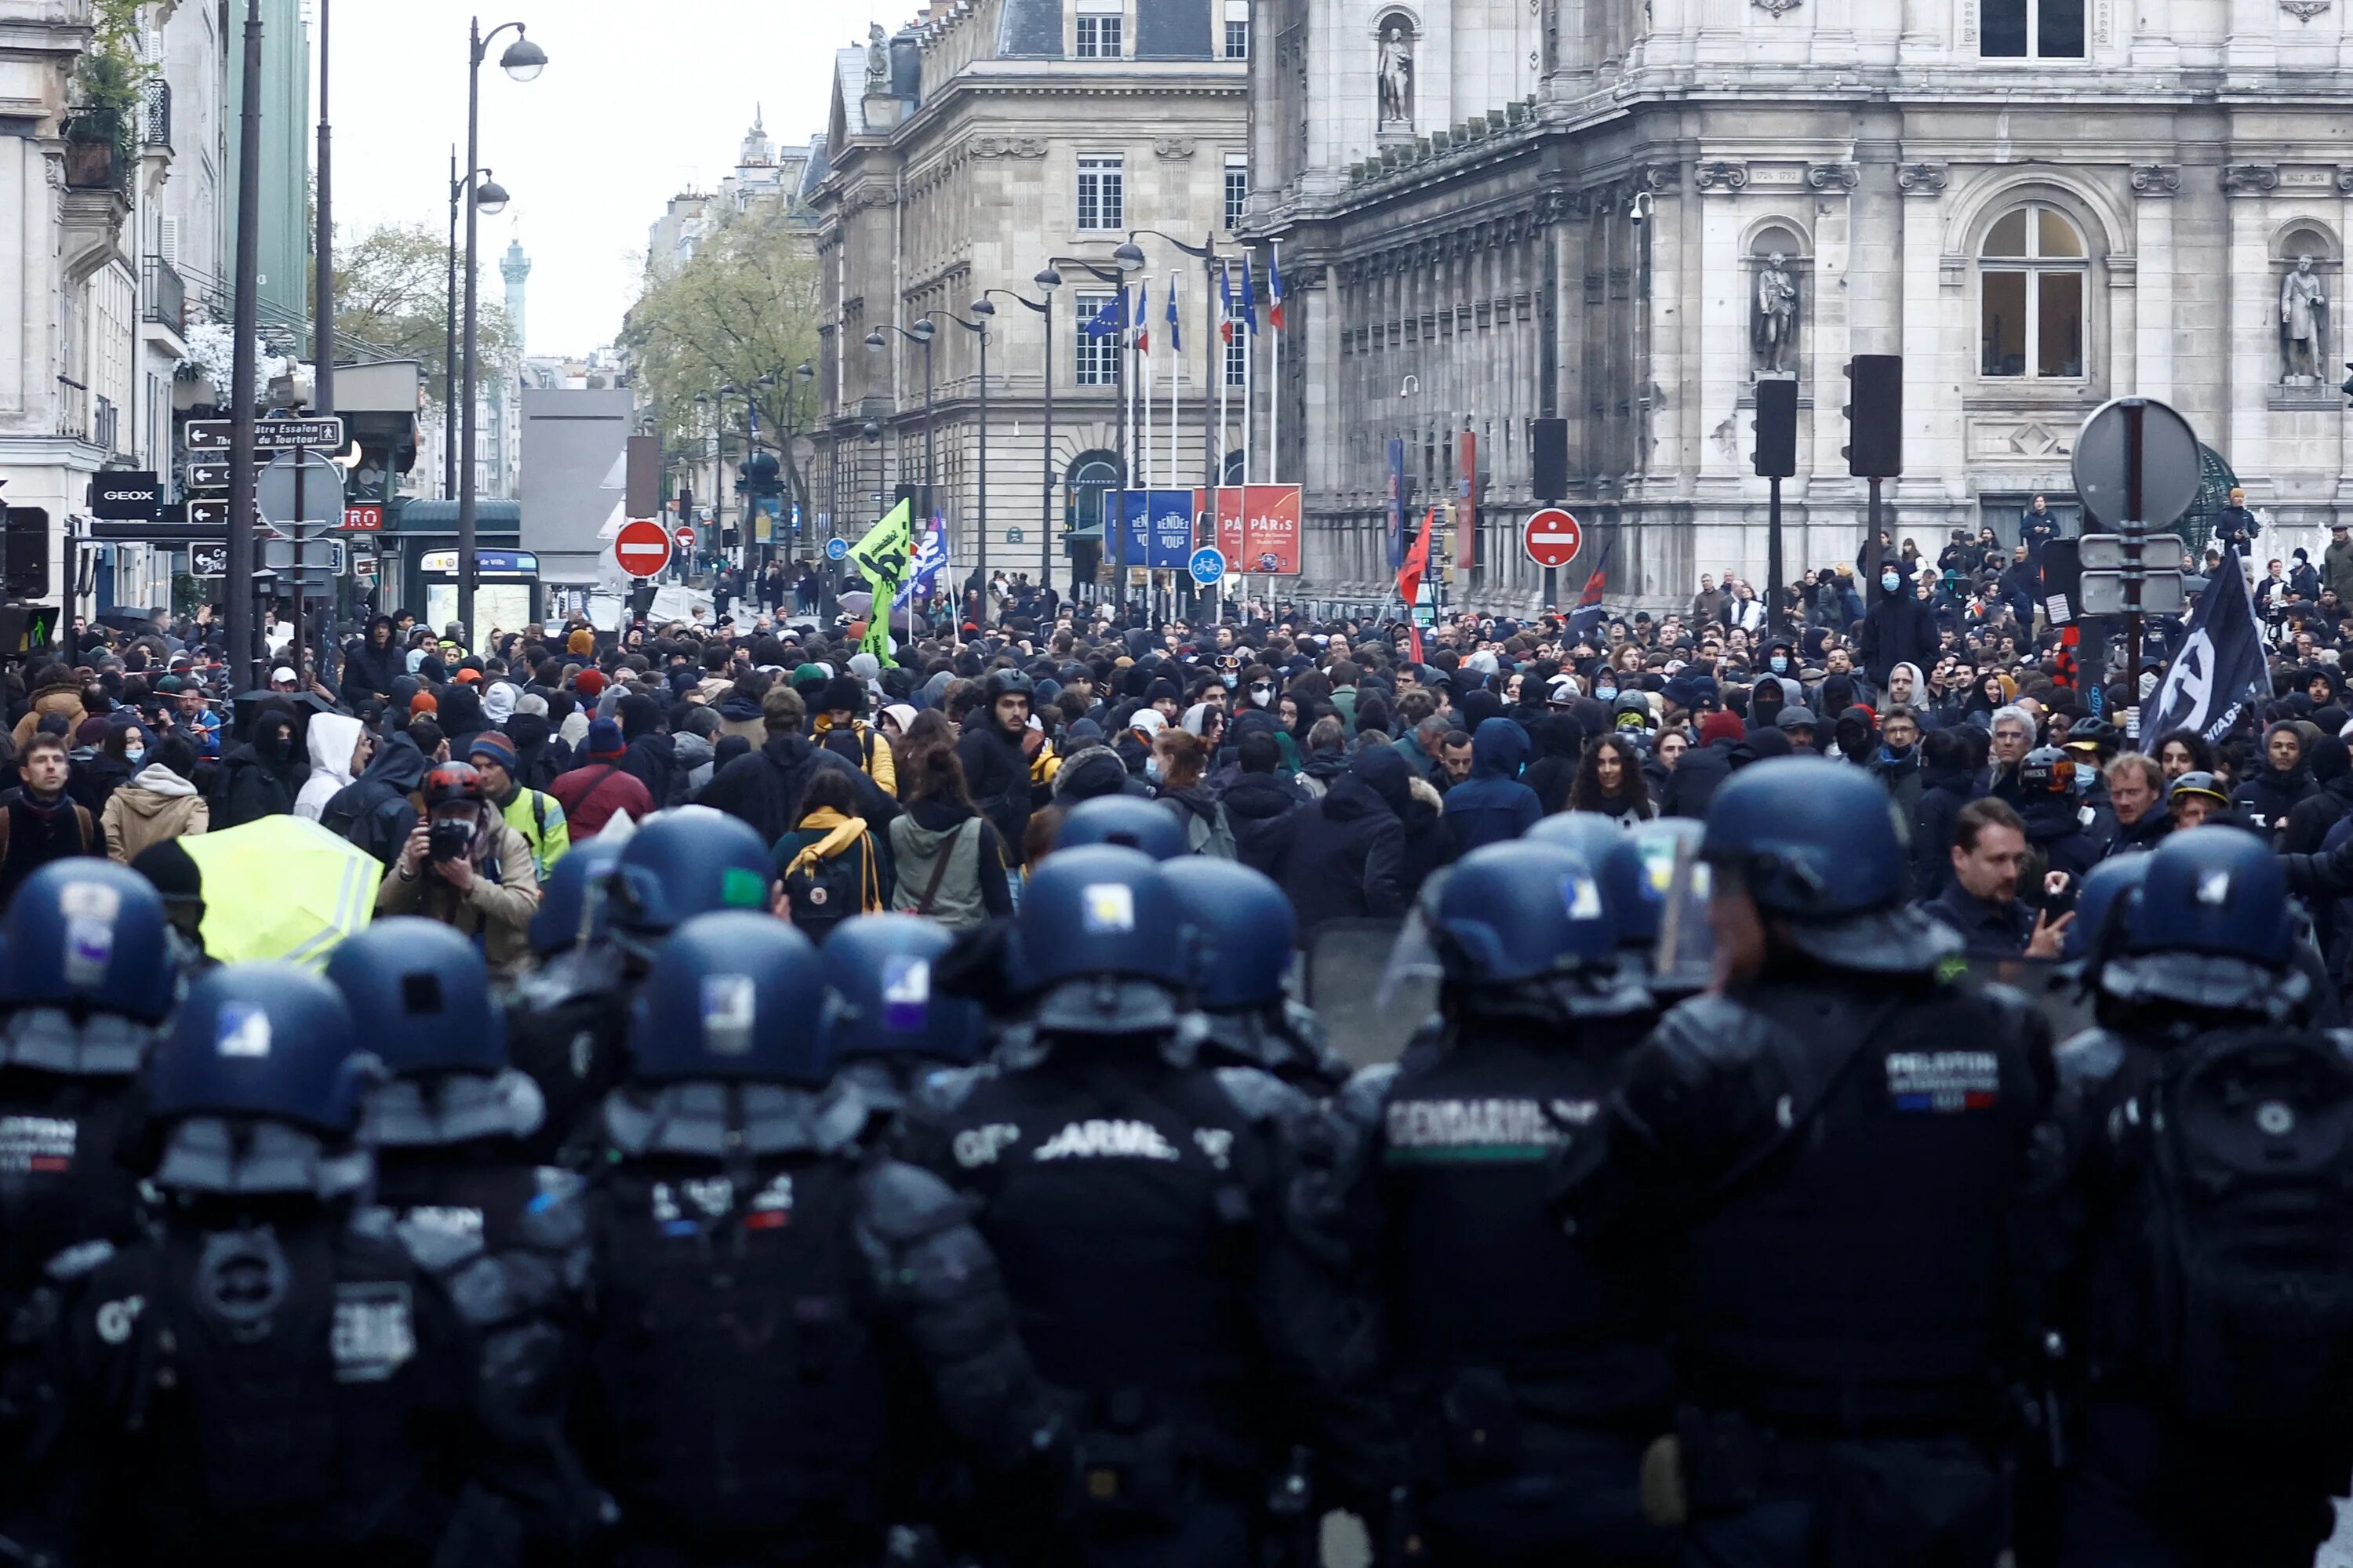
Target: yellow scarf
pixel 841 832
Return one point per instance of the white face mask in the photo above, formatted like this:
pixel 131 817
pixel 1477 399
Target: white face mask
pixel 1261 696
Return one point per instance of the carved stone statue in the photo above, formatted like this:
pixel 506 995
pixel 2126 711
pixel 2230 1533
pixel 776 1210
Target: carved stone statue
pixel 2303 322
pixel 878 57
pixel 1395 73
pixel 1773 332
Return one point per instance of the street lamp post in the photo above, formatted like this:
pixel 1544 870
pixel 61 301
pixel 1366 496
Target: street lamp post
pixel 986 312
pixel 921 334
pixel 1047 281
pixel 523 60
pixel 493 198
pixel 1114 520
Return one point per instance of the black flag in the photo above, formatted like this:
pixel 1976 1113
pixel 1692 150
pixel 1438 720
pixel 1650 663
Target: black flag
pixel 2219 666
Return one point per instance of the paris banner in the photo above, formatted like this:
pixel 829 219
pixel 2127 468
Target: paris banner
pixel 2221 663
pixel 1257 527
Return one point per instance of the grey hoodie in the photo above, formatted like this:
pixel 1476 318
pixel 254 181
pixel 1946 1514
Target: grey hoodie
pixel 693 757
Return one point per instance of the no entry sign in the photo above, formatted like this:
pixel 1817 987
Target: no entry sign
pixel 1553 537
pixel 642 546
pixel 685 537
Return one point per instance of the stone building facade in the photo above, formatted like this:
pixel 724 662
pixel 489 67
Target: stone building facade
pixel 965 154
pixel 1624 213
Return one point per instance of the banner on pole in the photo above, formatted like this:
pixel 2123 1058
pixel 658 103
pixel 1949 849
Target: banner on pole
pixel 1257 527
pixel 1159 529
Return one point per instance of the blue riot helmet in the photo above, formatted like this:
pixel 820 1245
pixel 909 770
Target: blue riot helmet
pixel 419 996
pixel 1245 927
pixel 268 1041
pixel 882 1003
pixel 2105 905
pixel 1587 834
pixel 682 864
pixel 732 996
pixel 1102 942
pixel 89 936
pixel 1813 844
pixel 1638 873
pixel 2212 928
pixel 1125 821
pixel 571 903
pixel 1515 912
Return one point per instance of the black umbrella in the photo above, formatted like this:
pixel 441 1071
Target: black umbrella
pixel 140 620
pixel 245 706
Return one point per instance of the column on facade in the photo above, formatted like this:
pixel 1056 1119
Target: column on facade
pixel 2152 216
pixel 1925 23
pixel 1568 240
pixel 2153 45
pixel 1834 30
pixel 1721 359
pixel 2253 352
pixel 1936 339
pixel 1672 231
pixel 2253 47
pixel 26 244
pixel 1718 40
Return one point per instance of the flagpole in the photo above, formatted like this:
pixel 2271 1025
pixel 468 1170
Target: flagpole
pixel 1225 336
pixel 1250 379
pixel 1176 376
pixel 1274 393
pixel 1151 471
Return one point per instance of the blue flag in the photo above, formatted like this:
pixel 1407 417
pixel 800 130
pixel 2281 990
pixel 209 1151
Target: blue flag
pixel 1111 318
pixel 1175 344
pixel 1249 297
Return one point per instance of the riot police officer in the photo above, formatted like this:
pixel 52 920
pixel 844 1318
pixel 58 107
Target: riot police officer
pixel 1642 874
pixel 1829 1157
pixel 2214 1360
pixel 888 1024
pixel 1245 926
pixel 268 1374
pixel 566 1026
pixel 754 1280
pixel 449 1128
pixel 1122 820
pixel 1146 1208
pixel 1528 1377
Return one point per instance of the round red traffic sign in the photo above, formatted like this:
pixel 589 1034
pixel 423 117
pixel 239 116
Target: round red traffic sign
pixel 642 546
pixel 685 536
pixel 1553 537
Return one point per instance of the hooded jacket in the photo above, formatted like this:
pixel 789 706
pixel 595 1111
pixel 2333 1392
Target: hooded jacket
pixel 156 805
pixel 374 810
pixel 998 776
pixel 52 698
pixel 539 755
pixel 1347 856
pixel 369 671
pixel 331 739
pixel 1492 805
pixel 253 786
pixel 1261 811
pixel 1943 792
pixel 765 788
pixel 2269 797
pixel 1093 770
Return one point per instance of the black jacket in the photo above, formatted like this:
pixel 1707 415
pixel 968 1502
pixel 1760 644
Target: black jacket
pixel 1703 769
pixel 1262 811
pixel 997 774
pixel 1991 930
pixel 651 760
pixel 1943 793
pixel 374 810
pixel 2270 798
pixel 1900 629
pixel 2310 818
pixel 368 670
pixel 765 789
pixel 1347 855
pixel 252 788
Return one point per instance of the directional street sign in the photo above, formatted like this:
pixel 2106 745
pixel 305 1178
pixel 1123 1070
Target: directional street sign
pixel 309 555
pixel 207 475
pixel 642 546
pixel 1553 537
pixel 208 560
pixel 211 516
pixel 268 435
pixel 1208 564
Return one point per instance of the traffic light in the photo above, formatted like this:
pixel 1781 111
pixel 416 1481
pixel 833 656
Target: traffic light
pixel 2348 388
pixel 1776 429
pixel 1875 416
pixel 25 554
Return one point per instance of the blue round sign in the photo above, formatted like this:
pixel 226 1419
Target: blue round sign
pixel 837 549
pixel 1208 564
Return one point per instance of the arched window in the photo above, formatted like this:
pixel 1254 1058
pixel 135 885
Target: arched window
pixel 2031 278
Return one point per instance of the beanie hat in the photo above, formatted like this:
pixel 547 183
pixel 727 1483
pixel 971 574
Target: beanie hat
pixel 589 683
pixel 91 732
pixel 1721 725
pixel 604 739
pixel 496 748
pixel 171 868
pixel 582 641
pixel 843 692
pixel 468 675
pixel 424 703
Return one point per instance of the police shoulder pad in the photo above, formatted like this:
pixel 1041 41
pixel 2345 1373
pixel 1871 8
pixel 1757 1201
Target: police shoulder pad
pixel 1711 1032
pixel 942 1094
pixel 1261 1095
pixel 79 1260
pixel 905 1202
pixel 2088 1060
pixel 555 1218
pixel 1360 1100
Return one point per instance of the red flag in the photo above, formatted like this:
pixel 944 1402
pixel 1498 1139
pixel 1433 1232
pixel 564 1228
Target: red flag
pixel 1417 563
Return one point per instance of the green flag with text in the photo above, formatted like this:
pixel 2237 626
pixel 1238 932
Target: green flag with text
pixel 886 555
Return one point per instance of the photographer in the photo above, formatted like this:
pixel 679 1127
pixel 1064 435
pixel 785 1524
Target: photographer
pixel 465 867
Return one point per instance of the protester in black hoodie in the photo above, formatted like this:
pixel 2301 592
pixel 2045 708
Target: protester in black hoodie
pixel 650 759
pixel 2271 794
pixel 1347 856
pixel 1949 760
pixel 540 753
pixel 260 778
pixel 1263 807
pixel 2308 823
pixel 372 664
pixel 1552 771
pixel 1724 748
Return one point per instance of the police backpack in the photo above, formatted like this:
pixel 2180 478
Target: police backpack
pixel 2249 1170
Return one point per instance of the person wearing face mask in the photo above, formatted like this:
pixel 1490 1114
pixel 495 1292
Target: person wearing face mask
pixel 1901 629
pixel 1780 659
pixel 262 777
pixel 159 803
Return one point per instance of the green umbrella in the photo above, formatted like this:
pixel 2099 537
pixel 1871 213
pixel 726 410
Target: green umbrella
pixel 282 887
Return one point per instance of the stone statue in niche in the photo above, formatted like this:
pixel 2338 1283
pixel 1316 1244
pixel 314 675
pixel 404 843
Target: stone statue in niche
pixel 878 57
pixel 2304 324
pixel 1395 73
pixel 1773 332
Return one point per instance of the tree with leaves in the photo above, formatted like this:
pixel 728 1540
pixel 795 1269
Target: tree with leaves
pixel 745 306
pixel 392 289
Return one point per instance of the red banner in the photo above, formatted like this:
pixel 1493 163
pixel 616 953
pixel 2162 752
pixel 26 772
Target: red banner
pixel 1466 512
pixel 1257 527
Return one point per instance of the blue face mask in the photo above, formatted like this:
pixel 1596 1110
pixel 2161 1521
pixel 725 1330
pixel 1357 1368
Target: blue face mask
pixel 1780 665
pixel 1605 692
pixel 1152 767
pixel 1888 581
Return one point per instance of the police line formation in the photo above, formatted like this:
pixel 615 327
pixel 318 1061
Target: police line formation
pixel 1069 1240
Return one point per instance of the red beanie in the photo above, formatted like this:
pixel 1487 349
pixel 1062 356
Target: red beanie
pixel 589 683
pixel 1721 725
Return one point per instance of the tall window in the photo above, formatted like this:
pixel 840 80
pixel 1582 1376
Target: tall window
pixel 1238 29
pixel 1237 356
pixel 1099 194
pixel 2031 276
pixel 2031 29
pixel 1237 190
pixel 1097 357
pixel 1099 35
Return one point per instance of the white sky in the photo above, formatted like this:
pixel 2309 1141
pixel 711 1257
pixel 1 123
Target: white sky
pixel 638 101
